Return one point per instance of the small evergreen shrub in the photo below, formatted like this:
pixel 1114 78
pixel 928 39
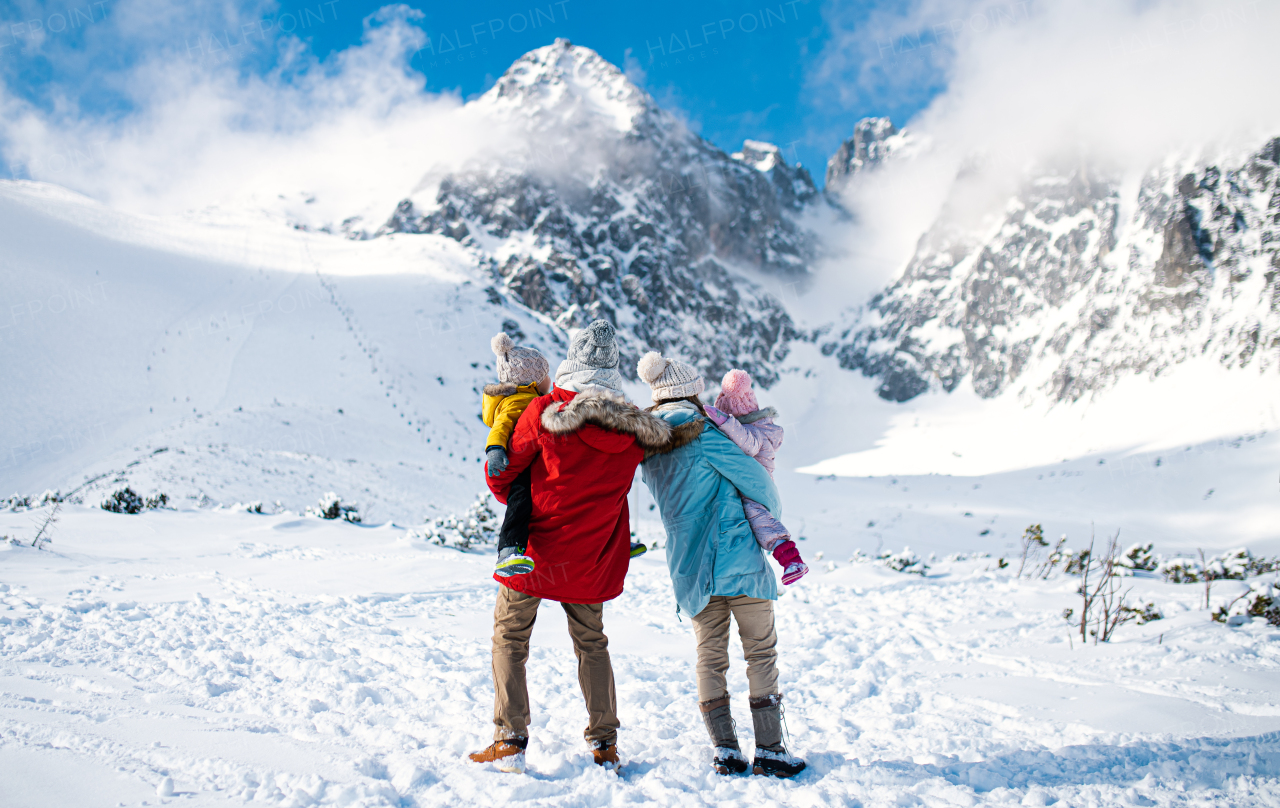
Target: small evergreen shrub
pixel 125 500
pixel 1262 600
pixel 1139 557
pixel 1179 570
pixel 1142 614
pixel 905 561
pixel 18 503
pixel 479 524
pixel 331 507
pixel 1233 565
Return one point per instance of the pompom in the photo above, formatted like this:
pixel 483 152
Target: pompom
pixel 650 367
pixel 501 343
pixel 736 382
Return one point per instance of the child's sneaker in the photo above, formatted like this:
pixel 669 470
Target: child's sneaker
pixel 514 563
pixel 794 572
pixel 638 549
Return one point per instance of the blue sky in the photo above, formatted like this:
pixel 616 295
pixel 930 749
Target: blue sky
pixel 736 70
pixel 733 70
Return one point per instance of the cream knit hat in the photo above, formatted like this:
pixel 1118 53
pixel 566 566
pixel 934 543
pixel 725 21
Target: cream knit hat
pixel 518 365
pixel 669 378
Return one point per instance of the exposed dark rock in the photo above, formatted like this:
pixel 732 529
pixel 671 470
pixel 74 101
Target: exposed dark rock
pixel 865 149
pixel 658 226
pixel 1048 287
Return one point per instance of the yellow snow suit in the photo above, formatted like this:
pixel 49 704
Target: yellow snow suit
pixel 501 407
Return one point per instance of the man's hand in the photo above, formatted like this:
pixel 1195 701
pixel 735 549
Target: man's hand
pixel 496 460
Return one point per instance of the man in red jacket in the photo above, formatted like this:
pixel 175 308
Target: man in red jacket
pixel 582 444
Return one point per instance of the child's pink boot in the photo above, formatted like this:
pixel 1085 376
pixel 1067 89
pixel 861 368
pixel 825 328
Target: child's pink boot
pixel 793 567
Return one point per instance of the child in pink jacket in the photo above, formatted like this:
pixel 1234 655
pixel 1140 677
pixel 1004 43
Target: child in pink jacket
pixel 753 430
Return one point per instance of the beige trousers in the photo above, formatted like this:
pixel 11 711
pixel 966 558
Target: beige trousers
pixel 759 645
pixel 513 619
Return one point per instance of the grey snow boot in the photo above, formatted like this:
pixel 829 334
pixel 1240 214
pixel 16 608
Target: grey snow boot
pixel 772 757
pixel 718 717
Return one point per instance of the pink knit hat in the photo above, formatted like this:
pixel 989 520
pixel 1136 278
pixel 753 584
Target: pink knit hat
pixel 736 396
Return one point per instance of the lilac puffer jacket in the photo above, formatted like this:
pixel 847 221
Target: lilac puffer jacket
pixel 755 434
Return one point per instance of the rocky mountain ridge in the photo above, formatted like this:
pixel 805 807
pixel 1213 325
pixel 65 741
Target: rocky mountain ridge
pixel 874 141
pixel 614 209
pixel 1084 279
pixel 608 206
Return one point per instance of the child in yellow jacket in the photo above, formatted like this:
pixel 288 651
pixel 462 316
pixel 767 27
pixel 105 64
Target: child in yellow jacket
pixel 523 375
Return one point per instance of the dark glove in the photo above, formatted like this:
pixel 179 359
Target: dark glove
pixel 497 460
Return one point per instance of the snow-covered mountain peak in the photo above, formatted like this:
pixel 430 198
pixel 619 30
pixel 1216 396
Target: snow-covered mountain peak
pixel 759 155
pixel 607 206
pixel 873 141
pixel 565 84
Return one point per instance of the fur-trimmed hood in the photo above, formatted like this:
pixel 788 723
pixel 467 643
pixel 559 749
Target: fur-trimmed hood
pixel 500 389
pixel 611 412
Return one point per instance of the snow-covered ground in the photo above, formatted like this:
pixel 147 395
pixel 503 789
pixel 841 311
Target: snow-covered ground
pixel 200 657
pixel 221 357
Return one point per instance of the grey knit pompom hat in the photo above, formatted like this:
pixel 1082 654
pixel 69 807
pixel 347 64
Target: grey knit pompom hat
pixel 518 365
pixel 669 378
pixel 594 347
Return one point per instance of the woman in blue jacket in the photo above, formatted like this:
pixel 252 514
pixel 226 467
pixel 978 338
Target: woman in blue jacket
pixel 717 568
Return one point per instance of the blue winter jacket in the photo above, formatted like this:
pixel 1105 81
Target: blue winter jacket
pixel 710 549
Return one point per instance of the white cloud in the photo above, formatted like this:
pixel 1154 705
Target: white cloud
pixel 355 131
pixel 1121 83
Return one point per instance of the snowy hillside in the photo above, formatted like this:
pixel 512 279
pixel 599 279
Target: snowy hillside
pixel 242 361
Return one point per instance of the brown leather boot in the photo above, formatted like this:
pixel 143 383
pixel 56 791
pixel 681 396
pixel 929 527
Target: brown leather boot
pixel 507 754
pixel 605 754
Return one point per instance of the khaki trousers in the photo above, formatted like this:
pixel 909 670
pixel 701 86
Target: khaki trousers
pixel 759 645
pixel 513 619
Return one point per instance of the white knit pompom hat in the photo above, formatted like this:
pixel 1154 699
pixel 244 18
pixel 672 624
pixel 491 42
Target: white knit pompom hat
pixel 669 378
pixel 518 365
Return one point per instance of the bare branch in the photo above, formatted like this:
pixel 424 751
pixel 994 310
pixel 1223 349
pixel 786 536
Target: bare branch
pixel 42 535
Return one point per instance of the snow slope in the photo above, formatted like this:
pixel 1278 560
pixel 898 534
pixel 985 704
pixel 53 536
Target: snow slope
pixel 270 363
pixel 224 657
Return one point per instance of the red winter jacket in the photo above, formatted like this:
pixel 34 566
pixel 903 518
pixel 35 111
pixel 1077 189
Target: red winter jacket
pixel 580 532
